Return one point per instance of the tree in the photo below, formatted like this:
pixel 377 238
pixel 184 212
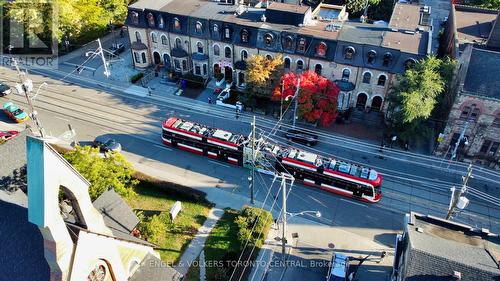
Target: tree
pixel 488 4
pixel 381 11
pixel 263 73
pixel 253 226
pixel 355 7
pixel 103 172
pixel 317 100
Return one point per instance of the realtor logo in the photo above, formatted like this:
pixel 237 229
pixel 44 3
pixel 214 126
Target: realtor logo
pixel 28 33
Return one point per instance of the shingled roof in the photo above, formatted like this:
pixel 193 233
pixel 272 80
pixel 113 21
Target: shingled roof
pixel 482 74
pixel 116 213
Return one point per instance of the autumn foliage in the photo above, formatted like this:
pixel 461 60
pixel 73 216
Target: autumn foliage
pixel 317 100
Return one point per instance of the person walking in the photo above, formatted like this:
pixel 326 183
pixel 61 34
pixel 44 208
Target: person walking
pixel 209 100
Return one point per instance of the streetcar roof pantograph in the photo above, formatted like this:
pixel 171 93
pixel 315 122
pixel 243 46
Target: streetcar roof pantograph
pixel 223 135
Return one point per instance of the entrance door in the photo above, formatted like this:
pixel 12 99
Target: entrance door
pixel 361 102
pixel 228 74
pixel 156 58
pixel 376 103
pixel 166 59
pixel 217 69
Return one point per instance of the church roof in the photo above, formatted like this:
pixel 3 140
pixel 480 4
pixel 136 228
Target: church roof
pixel 115 211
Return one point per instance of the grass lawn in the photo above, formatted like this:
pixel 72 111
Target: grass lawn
pixel 193 273
pixel 152 200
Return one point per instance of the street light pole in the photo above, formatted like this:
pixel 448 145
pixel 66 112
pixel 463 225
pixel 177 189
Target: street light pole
pixel 456 195
pixel 253 163
pixel 283 216
pixel 296 103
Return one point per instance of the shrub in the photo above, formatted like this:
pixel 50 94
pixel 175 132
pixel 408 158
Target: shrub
pixel 136 77
pixel 257 219
pixel 153 228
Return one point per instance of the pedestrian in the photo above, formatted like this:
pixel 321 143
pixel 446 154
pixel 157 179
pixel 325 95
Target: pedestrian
pixel 406 146
pixel 121 33
pixel 382 256
pixel 150 91
pixel 209 100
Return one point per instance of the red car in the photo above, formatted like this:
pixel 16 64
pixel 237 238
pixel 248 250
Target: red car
pixel 7 135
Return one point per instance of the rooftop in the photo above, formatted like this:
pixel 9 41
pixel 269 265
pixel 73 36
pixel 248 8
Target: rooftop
pixel 116 213
pixel 405 16
pixel 406 42
pixel 473 25
pixel 290 8
pixel 482 74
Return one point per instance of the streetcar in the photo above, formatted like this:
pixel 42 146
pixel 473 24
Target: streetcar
pixel 314 170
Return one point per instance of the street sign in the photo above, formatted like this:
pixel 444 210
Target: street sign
pixel 174 211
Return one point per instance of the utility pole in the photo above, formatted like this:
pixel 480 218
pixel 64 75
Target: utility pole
pixel 457 195
pixel 252 183
pixel 284 178
pixel 296 103
pixel 460 138
pixel 26 87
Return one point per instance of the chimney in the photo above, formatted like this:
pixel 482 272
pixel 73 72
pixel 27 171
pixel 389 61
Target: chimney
pixel 425 13
pixel 494 38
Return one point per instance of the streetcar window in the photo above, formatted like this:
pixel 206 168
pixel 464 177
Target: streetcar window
pixel 354 171
pixel 344 168
pixel 364 173
pixel 373 175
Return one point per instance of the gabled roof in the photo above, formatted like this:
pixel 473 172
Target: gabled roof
pixel 482 78
pixel 153 269
pixel 115 211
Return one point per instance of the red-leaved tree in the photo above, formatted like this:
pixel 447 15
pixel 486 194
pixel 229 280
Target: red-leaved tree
pixel 317 100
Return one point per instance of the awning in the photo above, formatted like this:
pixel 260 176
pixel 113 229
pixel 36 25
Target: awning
pixel 241 65
pixel 199 57
pixel 179 53
pixel 138 46
pixel 345 86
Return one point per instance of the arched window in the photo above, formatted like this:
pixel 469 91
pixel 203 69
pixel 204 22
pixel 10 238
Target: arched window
pixel 154 37
pixel 244 36
pixel 151 20
pixel 268 39
pixel 409 63
pixel 199 27
pixel 367 76
pixel 496 122
pixel 227 33
pixel 177 24
pixel 269 57
pixel 215 28
pixel 143 55
pixel 318 68
pixel 227 52
pixel 164 40
pixel 178 43
pixel 321 49
pixel 199 45
pixel 371 56
pixel 216 50
pixel 381 80
pixel 470 112
pixel 287 63
pixel 135 17
pixel 301 45
pixel 138 36
pixel 97 274
pixel 288 42
pixel 161 23
pixel 349 53
pixel 387 59
pixel 300 65
pixel 345 74
pixel 137 58
pixel 244 55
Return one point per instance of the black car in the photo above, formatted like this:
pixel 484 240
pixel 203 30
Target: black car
pixel 106 144
pixel 4 90
pixel 117 48
pixel 308 139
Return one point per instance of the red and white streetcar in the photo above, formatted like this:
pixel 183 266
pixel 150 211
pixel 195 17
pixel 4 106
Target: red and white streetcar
pixel 329 174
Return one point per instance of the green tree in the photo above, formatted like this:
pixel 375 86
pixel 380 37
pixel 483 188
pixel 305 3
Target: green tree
pixel 263 74
pixel 488 4
pixel 381 11
pixel 103 172
pixel 356 7
pixel 256 219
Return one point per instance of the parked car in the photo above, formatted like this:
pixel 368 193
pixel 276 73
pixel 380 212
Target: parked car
pixel 4 90
pixel 298 136
pixel 117 48
pixel 106 144
pixel 15 113
pixel 339 268
pixel 7 135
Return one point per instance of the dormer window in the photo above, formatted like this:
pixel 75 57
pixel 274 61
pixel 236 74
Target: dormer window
pixel 288 42
pixel 198 27
pixel 199 46
pixel 151 20
pixel 268 39
pixel 387 59
pixel 321 49
pixel 177 24
pixel 244 36
pixel 215 28
pixel 161 23
pixel 371 56
pixel 178 43
pixel 409 63
pixel 134 16
pixel 227 33
pixel 349 53
pixel 301 45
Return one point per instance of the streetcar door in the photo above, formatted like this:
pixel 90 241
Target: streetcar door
pixel 358 191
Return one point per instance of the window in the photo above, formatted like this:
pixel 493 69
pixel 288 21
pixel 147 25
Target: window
pixel 204 69
pixel 409 63
pixel 216 50
pixel 381 80
pixel 227 52
pixel 138 36
pixel 197 69
pixel 227 33
pixel 215 28
pixel 287 63
pixel 387 59
pixel 288 42
pixel 97 274
pixel 318 69
pixel 371 56
pixel 268 39
pixel 244 36
pixel 177 65
pixel 345 74
pixel 321 49
pixel 177 24
pixel 137 58
pixel 470 112
pixel 154 37
pixel 301 45
pixel 465 112
pixel 300 65
pixel 161 23
pixel 135 17
pixel 143 57
pixel 198 27
pixel 244 55
pixel 178 43
pixel 349 53
pixel 199 45
pixel 475 113
pixel 184 65
pixel 151 20
pixel 269 57
pixel 367 76
pixel 489 147
pixel 164 40
pixel 496 122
